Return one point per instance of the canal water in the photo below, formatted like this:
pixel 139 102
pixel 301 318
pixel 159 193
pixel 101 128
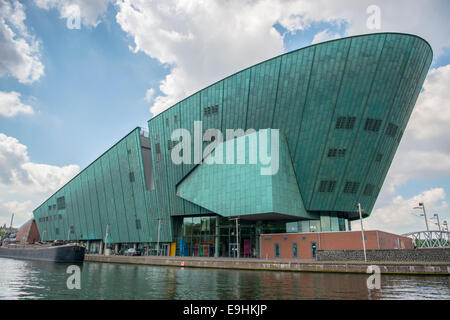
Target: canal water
pixel 24 279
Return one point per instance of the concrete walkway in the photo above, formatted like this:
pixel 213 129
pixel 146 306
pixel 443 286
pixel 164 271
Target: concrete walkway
pixel 417 268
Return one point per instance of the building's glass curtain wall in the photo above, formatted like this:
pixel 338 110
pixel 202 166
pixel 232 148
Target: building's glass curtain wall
pixel 331 221
pixel 215 236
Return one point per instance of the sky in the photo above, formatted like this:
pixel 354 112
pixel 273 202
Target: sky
pixel 78 75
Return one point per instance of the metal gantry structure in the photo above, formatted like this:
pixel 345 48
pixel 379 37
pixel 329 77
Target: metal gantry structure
pixel 430 239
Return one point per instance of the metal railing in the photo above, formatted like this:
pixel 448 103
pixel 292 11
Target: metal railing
pixel 430 239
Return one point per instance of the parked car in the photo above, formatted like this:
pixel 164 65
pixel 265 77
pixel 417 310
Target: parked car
pixel 132 252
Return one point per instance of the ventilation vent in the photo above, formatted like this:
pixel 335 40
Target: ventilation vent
pixel 327 186
pixel 332 153
pixel 372 125
pixel 351 187
pixel 345 123
pixel 391 130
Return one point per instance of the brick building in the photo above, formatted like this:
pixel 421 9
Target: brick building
pixel 305 245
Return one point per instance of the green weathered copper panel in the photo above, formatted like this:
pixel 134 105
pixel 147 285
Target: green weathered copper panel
pixel 101 194
pixel 243 189
pixel 304 94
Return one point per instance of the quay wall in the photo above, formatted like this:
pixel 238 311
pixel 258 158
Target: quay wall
pixel 418 268
pixel 404 255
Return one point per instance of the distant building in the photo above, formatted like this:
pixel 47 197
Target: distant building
pixel 341 108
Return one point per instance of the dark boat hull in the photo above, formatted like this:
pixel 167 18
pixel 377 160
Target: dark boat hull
pixel 65 253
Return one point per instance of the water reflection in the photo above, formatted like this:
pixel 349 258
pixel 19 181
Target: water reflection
pixel 20 279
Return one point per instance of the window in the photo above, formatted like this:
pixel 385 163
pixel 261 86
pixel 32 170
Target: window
pixel 207 111
pixel 351 187
pixel 57 231
pixel 327 186
pixel 49 208
pixel 391 130
pixel 332 153
pixel 61 201
pixel 345 123
pixel 167 122
pixel 54 207
pixel 138 224
pixel 277 250
pixel 294 250
pixel 372 125
pixel 132 177
pixel 72 229
pixel 378 157
pixel 175 119
pixel 157 147
pixel 368 190
pixel 129 151
pixel 60 217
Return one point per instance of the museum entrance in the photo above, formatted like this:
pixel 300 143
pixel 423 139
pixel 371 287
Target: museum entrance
pixel 216 236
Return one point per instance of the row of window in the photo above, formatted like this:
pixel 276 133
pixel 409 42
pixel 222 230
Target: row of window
pixel 345 123
pixel 171 144
pixel 50 218
pixel 60 204
pixel 373 125
pixel 351 187
pixel 333 153
pixel 211 110
pixel 175 120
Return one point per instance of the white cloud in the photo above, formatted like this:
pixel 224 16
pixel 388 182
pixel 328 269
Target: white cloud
pixel 203 42
pixel 398 216
pixel 431 116
pixel 425 149
pixel 10 104
pixel 149 95
pixel 22 212
pixel 19 51
pixel 91 11
pixel 325 35
pixel 23 181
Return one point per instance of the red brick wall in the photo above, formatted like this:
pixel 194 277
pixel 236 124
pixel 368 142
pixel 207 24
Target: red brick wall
pixel 344 240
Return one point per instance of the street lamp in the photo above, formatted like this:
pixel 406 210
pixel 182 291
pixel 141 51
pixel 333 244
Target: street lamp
pixel 437 218
pixel 362 231
pixel 422 206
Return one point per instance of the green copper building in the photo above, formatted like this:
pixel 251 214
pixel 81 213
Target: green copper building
pixel 338 110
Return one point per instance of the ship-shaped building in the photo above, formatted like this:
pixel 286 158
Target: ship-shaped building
pixel 332 115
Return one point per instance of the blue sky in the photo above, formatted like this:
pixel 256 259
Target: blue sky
pixel 95 80
pixel 93 90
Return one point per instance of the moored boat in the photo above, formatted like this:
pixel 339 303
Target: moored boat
pixel 71 252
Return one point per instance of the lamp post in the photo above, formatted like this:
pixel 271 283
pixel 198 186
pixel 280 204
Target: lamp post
pixel 437 218
pixel 422 206
pixel 445 224
pixel 362 231
pixel 159 229
pixel 106 238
